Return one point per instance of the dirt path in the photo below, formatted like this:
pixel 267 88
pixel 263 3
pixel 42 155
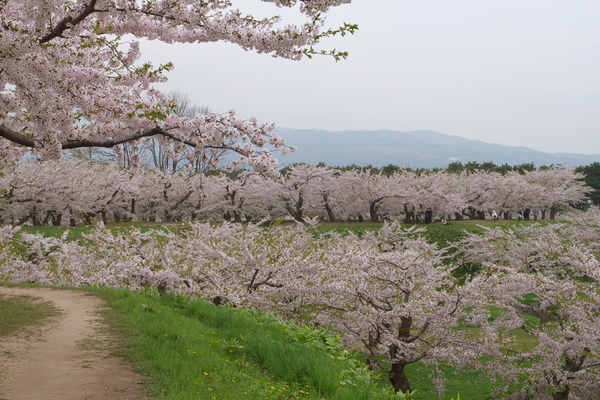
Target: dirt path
pixel 67 359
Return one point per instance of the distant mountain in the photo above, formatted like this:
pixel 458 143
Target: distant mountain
pixel 416 149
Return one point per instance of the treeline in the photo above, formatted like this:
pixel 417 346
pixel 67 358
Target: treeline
pixel 591 172
pixel 76 193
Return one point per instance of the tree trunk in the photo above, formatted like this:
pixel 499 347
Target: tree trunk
pixel 35 220
pixel 330 215
pixel 237 217
pixel 563 395
pixel 57 220
pixel 397 377
pixel 409 215
pixel 23 220
pixel 397 374
pixel 472 213
pixel 373 212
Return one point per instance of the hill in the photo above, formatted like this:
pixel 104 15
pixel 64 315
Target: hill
pixel 416 149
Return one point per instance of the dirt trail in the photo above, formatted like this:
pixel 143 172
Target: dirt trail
pixel 67 359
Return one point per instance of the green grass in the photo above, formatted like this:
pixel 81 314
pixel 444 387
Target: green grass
pixel 18 313
pixel 193 349
pixel 75 232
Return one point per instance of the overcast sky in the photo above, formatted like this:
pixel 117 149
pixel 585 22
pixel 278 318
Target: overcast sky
pixel 514 72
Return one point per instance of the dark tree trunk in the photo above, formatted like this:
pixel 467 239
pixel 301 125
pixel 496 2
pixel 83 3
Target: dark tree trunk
pixel 330 215
pixel 35 220
pixel 57 220
pixel 295 209
pixel 23 220
pixel 397 373
pixel 88 218
pixel 562 395
pixel 398 379
pixel 328 209
pixel 373 212
pixel 409 215
pixel 472 213
pixel 237 217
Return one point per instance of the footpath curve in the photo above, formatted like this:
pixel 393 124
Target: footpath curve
pixel 67 359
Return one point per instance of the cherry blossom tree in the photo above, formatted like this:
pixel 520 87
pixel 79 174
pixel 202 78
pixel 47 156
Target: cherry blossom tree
pixel 301 192
pixel 476 188
pixel 390 295
pixel 555 189
pixel 69 80
pixel 368 191
pixel 247 196
pixel 329 196
pixel 544 279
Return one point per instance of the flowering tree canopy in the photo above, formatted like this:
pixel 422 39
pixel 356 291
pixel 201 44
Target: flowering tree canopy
pixel 68 79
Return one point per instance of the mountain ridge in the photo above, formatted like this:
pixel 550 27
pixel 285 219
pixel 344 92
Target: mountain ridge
pixel 415 149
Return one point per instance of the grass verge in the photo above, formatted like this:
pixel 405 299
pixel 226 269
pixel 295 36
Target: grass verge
pixel 193 349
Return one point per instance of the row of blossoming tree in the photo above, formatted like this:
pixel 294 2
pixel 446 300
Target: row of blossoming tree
pixel 531 310
pixel 69 193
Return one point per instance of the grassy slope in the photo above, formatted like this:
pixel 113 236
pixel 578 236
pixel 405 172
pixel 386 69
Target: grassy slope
pixel 193 349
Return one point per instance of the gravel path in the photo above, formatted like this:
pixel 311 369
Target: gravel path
pixel 67 359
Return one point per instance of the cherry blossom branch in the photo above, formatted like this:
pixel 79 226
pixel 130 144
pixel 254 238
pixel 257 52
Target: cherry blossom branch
pixel 31 142
pixel 69 22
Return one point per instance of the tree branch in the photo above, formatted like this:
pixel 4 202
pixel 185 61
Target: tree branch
pixel 30 142
pixel 418 334
pixel 68 22
pixel 16 137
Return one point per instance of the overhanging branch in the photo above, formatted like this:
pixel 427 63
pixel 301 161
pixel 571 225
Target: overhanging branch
pixel 16 137
pixel 30 142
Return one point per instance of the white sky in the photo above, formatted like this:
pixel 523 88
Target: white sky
pixel 514 72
